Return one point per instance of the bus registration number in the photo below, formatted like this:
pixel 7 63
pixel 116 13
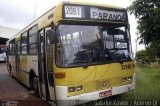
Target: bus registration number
pixel 73 12
pixel 105 93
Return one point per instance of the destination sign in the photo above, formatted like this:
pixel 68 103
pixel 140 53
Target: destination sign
pixel 94 13
pixel 110 15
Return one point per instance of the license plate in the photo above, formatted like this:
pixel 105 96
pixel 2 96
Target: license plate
pixel 105 93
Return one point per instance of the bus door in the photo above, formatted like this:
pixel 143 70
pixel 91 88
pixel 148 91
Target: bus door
pixel 18 60
pixel 42 72
pixel 49 66
pixel 45 67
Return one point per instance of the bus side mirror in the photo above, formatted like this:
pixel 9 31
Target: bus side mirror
pixel 51 37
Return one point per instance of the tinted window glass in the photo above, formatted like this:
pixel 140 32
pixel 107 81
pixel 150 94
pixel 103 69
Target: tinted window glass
pixel 24 41
pixel 91 44
pixel 12 47
pixel 33 35
pixel 33 40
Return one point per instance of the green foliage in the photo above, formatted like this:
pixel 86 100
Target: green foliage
pixel 153 51
pixel 145 57
pixel 142 57
pixel 148 14
pixel 147 84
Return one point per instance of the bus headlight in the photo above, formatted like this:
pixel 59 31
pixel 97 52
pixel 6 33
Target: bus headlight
pixel 75 88
pixel 78 88
pixel 130 78
pixel 127 79
pixel 71 89
pixel 124 79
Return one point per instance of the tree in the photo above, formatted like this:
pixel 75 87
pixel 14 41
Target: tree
pixel 153 50
pixel 141 57
pixel 148 14
pixel 144 58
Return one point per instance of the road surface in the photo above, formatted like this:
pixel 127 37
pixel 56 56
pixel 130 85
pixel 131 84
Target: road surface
pixel 12 92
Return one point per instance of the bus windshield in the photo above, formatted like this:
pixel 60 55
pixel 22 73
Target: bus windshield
pixel 94 44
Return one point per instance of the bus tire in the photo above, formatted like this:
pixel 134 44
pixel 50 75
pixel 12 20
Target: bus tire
pixel 36 86
pixel 31 79
pixel 10 71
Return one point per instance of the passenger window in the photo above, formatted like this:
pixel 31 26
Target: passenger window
pixel 12 47
pixel 24 39
pixel 33 40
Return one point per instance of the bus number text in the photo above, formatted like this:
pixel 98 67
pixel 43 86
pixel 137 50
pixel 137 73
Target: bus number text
pixel 72 11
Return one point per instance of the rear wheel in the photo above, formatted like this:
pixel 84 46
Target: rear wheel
pixel 36 86
pixel 10 70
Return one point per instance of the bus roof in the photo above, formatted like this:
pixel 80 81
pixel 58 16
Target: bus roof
pixel 80 2
pixel 56 13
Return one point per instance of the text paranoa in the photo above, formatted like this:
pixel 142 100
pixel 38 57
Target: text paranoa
pixel 108 15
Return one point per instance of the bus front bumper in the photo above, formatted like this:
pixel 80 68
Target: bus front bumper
pixel 64 100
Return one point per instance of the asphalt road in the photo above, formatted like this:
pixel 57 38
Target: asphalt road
pixel 13 93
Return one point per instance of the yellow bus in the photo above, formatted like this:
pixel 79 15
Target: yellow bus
pixel 75 53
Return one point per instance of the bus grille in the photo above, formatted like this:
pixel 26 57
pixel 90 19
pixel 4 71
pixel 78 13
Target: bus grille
pixel 102 84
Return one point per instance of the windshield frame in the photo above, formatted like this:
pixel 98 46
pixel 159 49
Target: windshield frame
pixel 129 47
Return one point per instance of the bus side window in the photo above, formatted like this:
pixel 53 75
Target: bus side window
pixel 12 47
pixel 33 40
pixel 24 40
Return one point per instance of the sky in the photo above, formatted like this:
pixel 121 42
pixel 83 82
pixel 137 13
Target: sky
pixel 17 14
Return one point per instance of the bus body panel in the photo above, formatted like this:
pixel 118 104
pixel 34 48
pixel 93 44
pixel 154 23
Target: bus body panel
pixel 28 63
pixel 64 100
pixel 23 69
pixel 32 64
pixel 92 77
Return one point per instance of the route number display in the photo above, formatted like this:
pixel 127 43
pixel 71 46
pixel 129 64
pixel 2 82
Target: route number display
pixel 73 11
